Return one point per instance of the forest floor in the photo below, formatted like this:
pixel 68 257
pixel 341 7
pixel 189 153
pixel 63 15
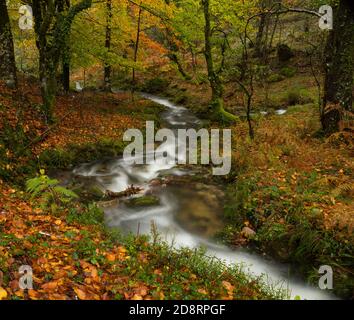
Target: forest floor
pixel 291 185
pixel 71 253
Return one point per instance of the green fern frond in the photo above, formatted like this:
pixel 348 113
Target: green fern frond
pixel 61 191
pixel 343 189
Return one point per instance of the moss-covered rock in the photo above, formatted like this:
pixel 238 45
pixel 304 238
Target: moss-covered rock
pixel 144 201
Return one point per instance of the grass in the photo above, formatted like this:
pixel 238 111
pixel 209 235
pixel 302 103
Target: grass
pixel 190 274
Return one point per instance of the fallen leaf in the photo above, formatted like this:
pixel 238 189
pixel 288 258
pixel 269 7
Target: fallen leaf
pixel 50 285
pixel 111 257
pixel 33 294
pixel 3 293
pixel 80 294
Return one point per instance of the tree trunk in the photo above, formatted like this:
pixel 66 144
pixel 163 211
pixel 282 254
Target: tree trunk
pixel 217 103
pixel 174 58
pixel 259 45
pixel 48 80
pixel 66 70
pixel 107 66
pixel 338 97
pixel 173 54
pixel 7 56
pixel 136 48
pixel 66 57
pixel 52 29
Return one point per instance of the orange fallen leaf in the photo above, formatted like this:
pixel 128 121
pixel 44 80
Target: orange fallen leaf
pixel 228 286
pixel 80 294
pixel 111 257
pixel 202 291
pixel 3 293
pixel 33 295
pixel 50 285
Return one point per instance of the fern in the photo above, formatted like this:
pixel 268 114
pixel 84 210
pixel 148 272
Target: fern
pixel 64 193
pixel 48 192
pixel 343 188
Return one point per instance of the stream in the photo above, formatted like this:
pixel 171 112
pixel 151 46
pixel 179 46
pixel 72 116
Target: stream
pixel 186 216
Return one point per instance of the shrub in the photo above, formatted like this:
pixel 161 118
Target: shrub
pixel 296 96
pixel 293 97
pixel 155 85
pixel 284 52
pixel 57 158
pixel 275 77
pixel 76 154
pixel 13 140
pixel 288 72
pixel 90 215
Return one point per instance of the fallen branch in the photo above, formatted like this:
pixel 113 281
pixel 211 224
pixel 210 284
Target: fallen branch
pixel 126 193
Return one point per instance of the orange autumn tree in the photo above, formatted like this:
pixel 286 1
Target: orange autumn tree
pixel 132 45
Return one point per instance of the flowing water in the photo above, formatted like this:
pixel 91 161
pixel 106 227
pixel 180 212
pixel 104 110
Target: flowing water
pixel 185 216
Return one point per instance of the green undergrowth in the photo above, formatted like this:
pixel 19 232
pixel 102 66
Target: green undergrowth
pixel 72 155
pixel 290 229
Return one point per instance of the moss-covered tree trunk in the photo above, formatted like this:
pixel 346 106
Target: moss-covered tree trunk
pixel 66 55
pixel 338 98
pixel 66 69
pixel 136 46
pixel 107 65
pixel 217 103
pixel 48 81
pixel 52 27
pixel 7 57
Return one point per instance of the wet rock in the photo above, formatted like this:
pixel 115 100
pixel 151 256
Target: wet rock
pixel 248 232
pixel 155 183
pixel 200 218
pixel 200 211
pixel 88 189
pixel 107 204
pixel 210 198
pixel 103 169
